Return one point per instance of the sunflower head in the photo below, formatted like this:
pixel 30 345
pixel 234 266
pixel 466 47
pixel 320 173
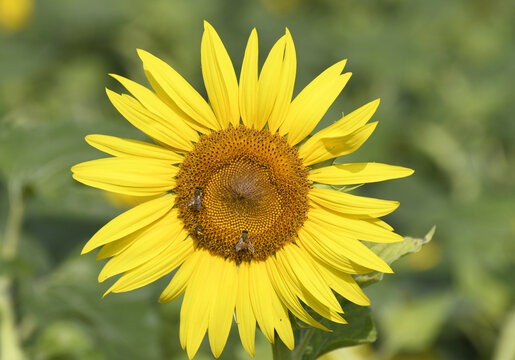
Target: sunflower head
pixel 236 207
pixel 242 181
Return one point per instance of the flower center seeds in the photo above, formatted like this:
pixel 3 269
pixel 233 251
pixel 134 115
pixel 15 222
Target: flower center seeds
pixel 242 193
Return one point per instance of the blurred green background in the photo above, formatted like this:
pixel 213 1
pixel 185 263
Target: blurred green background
pixel 444 71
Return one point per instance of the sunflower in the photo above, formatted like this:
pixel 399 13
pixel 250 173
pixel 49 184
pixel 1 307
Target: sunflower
pixel 242 213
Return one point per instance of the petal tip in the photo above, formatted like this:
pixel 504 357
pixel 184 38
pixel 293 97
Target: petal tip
pixel 142 52
pixel 386 269
pixel 144 55
pixel 102 277
pixel 117 77
pixel 107 292
pixel 111 94
pixel 409 171
pixel 207 26
pixel 86 249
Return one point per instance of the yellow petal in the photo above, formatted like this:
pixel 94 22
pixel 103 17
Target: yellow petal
pixel 346 203
pixel 299 266
pixel 115 247
pixel 149 244
pixel 222 306
pixel 312 103
pixel 282 322
pixel 249 81
pixel 353 121
pixel 287 295
pixel 129 171
pixel 148 122
pixel 180 280
pixel 340 129
pixel 179 90
pixel 352 249
pixel 127 147
pixel 261 299
pixel 128 175
pixel 306 296
pixel 219 78
pixel 196 304
pixel 343 284
pixel 123 189
pixel 269 310
pixel 130 221
pixel 163 96
pixel 358 173
pixel 332 147
pixel 325 253
pixel 280 80
pixel 323 310
pixel 268 88
pixel 381 223
pixel 164 263
pixel 173 120
pixel 340 138
pixel 244 314
pixel 358 228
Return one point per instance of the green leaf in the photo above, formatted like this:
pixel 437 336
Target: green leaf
pixel 392 252
pixel 360 329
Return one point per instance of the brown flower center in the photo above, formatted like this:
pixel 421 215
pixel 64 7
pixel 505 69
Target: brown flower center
pixel 242 193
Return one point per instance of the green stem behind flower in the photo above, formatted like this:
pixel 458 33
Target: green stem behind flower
pixel 297 353
pixel 280 351
pixel 9 345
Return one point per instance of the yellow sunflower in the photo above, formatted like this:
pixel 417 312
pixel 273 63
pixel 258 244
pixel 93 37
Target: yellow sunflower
pixel 240 214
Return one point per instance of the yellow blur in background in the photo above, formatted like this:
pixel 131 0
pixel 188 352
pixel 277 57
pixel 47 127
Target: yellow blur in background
pixel 14 14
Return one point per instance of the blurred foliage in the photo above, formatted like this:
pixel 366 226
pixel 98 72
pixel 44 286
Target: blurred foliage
pixel 444 71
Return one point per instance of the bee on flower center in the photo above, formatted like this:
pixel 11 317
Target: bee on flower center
pixel 196 199
pixel 244 242
pixel 198 232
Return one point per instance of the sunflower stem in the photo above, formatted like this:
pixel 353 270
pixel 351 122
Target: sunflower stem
pixel 280 351
pixel 9 342
pixel 297 353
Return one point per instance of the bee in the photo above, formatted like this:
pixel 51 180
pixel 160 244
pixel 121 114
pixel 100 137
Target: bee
pixel 198 232
pixel 244 242
pixel 196 199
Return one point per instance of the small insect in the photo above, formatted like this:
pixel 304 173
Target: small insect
pixel 244 242
pixel 196 199
pixel 198 232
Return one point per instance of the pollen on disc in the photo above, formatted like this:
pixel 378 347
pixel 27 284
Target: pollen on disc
pixel 251 181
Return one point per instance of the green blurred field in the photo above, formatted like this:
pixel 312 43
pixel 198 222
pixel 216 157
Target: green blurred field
pixel 444 71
